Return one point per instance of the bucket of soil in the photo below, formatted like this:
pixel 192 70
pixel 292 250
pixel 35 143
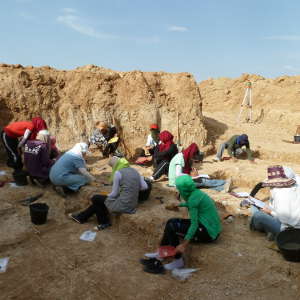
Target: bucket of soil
pixel 20 178
pixel 38 213
pixel 288 242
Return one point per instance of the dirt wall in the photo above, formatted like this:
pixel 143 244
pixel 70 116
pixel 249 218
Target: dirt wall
pixel 71 102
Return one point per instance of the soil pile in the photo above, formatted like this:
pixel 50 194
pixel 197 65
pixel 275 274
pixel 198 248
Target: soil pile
pixel 272 99
pixel 71 101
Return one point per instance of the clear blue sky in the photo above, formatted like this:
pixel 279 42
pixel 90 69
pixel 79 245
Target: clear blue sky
pixel 208 38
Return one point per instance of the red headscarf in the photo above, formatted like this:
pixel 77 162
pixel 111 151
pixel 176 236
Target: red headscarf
pixel 39 124
pixel 166 139
pixel 188 154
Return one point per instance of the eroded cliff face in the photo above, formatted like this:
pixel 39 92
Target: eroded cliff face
pixel 72 101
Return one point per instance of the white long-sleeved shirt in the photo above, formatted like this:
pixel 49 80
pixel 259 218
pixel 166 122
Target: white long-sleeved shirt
pixel 285 206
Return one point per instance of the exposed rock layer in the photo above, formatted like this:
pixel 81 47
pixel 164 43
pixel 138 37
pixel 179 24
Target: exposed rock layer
pixel 71 101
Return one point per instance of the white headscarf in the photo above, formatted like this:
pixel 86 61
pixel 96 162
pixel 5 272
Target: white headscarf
pixel 44 136
pixel 78 149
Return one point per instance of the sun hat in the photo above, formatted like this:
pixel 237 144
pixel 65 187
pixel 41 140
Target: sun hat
pixel 277 178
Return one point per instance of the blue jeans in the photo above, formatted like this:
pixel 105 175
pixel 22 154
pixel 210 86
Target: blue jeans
pixel 263 222
pixel 213 184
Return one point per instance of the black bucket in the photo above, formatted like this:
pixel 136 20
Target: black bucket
pixel 145 194
pixel 20 178
pixel 288 242
pixel 38 213
pixel 296 139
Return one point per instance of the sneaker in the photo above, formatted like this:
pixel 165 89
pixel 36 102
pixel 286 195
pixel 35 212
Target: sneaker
pixel 74 218
pixel 155 268
pixel 102 226
pixel 216 159
pixel 60 191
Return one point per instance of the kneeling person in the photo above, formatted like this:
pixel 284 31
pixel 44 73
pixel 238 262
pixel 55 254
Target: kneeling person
pixel 37 158
pixel 234 147
pixel 69 173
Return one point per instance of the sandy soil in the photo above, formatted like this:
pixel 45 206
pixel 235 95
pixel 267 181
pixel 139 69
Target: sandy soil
pixel 50 262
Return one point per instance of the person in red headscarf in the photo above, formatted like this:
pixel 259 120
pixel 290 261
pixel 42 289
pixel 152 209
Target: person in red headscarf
pixel 38 125
pixel 182 163
pixel 163 154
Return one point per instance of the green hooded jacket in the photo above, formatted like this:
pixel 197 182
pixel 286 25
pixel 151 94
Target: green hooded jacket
pixel 201 208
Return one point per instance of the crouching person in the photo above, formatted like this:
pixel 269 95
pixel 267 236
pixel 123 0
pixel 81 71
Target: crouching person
pixel 204 226
pixel 127 183
pixel 69 173
pixel 37 158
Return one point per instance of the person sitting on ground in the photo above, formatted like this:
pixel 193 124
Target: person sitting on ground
pixel 204 226
pixel 163 154
pixel 69 173
pixel 10 138
pixel 284 208
pixel 234 147
pixel 37 158
pixel 181 164
pixel 127 183
pixel 153 138
pixel 105 138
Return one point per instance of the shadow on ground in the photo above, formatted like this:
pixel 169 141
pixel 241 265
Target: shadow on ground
pixel 214 129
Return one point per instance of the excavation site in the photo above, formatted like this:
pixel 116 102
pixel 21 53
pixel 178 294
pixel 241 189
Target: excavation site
pixel 51 262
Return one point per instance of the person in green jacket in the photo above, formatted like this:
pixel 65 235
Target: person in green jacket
pixel 204 226
pixel 234 147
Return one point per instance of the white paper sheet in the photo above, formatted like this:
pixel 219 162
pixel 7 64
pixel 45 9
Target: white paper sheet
pixel 3 264
pixel 88 236
pixel 257 202
pixel 241 194
pixel 183 273
pixel 12 184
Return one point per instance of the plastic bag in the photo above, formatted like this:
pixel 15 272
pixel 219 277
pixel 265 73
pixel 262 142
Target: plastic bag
pixel 183 274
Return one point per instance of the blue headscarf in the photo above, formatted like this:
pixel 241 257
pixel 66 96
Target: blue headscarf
pixel 242 139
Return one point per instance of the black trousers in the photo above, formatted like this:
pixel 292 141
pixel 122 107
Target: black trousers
pixel 177 228
pixel 110 148
pixel 256 189
pixel 11 146
pixel 98 207
pixel 161 169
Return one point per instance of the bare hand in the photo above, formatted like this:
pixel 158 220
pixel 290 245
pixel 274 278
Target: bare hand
pixel 194 172
pixel 172 206
pixel 266 210
pixel 180 248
